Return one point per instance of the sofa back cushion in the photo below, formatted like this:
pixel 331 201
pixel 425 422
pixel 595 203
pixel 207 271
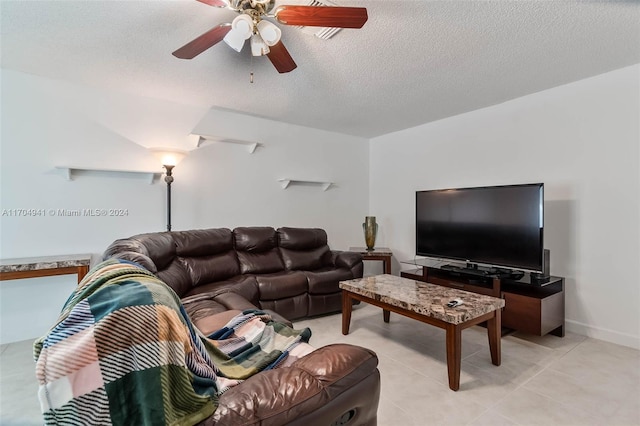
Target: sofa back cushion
pixel 207 254
pixel 257 250
pixel 156 252
pixel 303 248
pixel 159 247
pixel 131 250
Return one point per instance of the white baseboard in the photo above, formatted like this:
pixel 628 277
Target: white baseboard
pixel 605 334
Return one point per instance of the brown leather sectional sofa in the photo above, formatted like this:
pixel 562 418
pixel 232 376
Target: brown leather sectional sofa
pixel 289 272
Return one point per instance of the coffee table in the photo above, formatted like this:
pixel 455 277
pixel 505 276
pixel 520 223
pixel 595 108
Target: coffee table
pixel 428 303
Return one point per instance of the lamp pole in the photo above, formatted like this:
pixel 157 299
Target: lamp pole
pixel 169 179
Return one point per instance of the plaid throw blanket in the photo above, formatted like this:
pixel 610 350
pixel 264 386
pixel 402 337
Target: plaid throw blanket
pixel 124 352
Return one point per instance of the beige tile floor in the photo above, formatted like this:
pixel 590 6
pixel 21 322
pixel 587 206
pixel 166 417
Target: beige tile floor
pixel 542 380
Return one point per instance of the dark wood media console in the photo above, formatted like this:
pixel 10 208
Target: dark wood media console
pixel 535 308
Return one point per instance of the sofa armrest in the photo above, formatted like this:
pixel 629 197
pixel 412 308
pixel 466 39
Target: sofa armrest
pixel 332 363
pixel 281 396
pixel 346 259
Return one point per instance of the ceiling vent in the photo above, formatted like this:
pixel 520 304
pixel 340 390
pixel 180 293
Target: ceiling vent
pixel 324 33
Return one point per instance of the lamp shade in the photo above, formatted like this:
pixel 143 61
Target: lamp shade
pixel 258 46
pixel 241 29
pixel 234 40
pixel 168 156
pixel 269 32
pixel 243 26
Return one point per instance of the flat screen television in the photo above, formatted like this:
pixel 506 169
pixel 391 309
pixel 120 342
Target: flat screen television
pixel 499 226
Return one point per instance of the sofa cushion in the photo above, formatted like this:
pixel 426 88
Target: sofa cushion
pixel 214 322
pixel 301 238
pixel 255 239
pixel 244 285
pixel 326 281
pixel 156 252
pixel 203 242
pixel 303 248
pixel 207 255
pixel 159 247
pixel 132 250
pixel 257 251
pixel 199 310
pixel 176 277
pixel 280 285
pixel 234 301
pixel 207 269
pixel 290 307
pixel 298 260
pixel 323 303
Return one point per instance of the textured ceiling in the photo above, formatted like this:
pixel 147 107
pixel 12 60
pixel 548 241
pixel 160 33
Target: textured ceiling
pixel 412 63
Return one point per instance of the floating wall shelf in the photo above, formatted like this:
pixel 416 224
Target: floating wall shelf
pixel 251 145
pixel 70 171
pixel 286 182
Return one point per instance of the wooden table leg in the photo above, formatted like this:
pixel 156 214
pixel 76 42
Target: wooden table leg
pixel 454 355
pixel 346 312
pixel 494 331
pixel 387 265
pixel 386 315
pixel 82 271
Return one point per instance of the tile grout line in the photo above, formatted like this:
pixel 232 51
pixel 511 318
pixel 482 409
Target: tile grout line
pixel 521 385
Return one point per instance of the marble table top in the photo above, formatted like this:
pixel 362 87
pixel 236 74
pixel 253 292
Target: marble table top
pixel 423 298
pixel 377 251
pixel 44 262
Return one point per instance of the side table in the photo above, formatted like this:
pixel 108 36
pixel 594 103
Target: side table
pixel 33 267
pixel 378 253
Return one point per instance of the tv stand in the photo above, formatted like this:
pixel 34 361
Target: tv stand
pixel 530 306
pixel 471 269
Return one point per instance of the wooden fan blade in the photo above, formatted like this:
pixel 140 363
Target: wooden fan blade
pixel 202 43
pixel 322 16
pixel 214 3
pixel 280 58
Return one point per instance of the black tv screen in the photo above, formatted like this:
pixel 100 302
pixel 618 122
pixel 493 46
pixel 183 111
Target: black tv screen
pixel 498 226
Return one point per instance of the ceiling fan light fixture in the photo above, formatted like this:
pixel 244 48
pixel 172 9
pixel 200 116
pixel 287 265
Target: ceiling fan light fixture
pixel 258 46
pixel 241 30
pixel 269 32
pixel 234 40
pixel 265 36
pixel 243 25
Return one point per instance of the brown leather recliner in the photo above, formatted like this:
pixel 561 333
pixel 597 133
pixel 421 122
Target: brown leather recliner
pixel 290 273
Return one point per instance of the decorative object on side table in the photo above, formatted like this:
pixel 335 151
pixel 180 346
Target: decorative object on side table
pixel 370 228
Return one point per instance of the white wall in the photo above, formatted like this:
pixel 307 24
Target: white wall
pixel 46 123
pixel 582 141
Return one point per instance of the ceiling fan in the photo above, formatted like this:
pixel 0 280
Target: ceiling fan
pixel 264 35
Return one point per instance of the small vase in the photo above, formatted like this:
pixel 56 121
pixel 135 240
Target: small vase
pixel 370 228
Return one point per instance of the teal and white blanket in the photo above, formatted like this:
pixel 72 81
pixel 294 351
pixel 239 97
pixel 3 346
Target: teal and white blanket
pixel 124 352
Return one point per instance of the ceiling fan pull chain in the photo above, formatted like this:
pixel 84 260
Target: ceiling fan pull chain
pixel 251 74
